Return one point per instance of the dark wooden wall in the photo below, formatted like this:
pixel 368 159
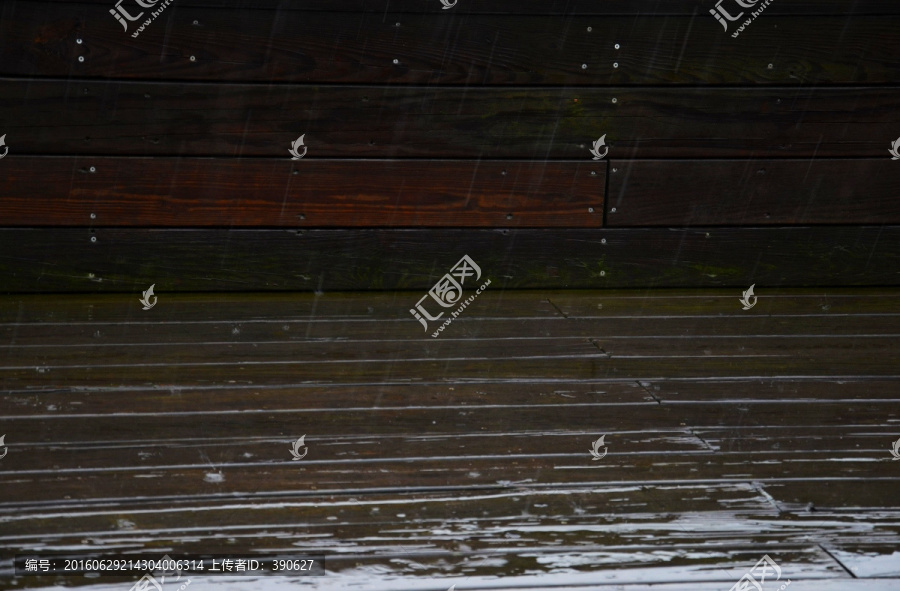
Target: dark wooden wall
pixel 434 133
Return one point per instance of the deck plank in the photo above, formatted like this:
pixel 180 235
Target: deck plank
pixel 351 121
pixel 53 260
pixel 340 47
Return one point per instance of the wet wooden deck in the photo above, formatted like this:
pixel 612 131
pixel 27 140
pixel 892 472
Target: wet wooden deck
pixel 463 459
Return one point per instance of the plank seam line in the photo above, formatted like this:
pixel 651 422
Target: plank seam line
pixel 705 442
pixel 647 390
pixel 833 557
pixel 602 350
pixel 563 314
pixel 758 487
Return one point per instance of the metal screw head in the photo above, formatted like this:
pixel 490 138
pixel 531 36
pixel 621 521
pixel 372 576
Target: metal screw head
pixel 93 216
pixel 396 24
pixel 584 66
pixel 509 216
pixel 590 210
pixel 593 173
pixel 615 100
pixel 93 169
pixel 613 210
pixel 193 58
pixel 615 64
pixel 396 62
pixel 617 46
pixel 78 41
pixel 503 173
pixel 615 170
pixel 81 58
pixel 590 29
pixel 196 22
pixel 93 239
pixel 771 66
pixel 603 241
pixel 602 273
pixel 90 275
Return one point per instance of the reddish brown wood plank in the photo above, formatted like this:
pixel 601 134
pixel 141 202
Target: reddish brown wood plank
pixel 753 192
pixel 58 191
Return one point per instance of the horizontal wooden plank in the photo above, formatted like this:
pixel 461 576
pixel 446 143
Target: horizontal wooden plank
pixel 149 332
pixel 363 351
pixel 248 478
pixel 693 302
pixel 140 456
pixel 357 435
pixel 238 399
pixel 379 511
pixel 291 306
pixel 749 392
pixel 543 7
pixel 130 260
pixel 247 120
pixel 587 366
pixel 443 48
pixel 753 192
pixel 496 305
pixel 109 191
pixel 292 352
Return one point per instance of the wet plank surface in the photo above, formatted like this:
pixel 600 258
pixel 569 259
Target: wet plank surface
pixel 340 121
pixel 442 48
pixel 463 459
pixel 752 192
pixel 113 191
pixel 35 260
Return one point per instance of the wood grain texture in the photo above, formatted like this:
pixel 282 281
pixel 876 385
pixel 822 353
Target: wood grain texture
pixel 248 120
pixel 120 429
pixel 757 192
pixel 130 260
pixel 542 7
pixel 340 47
pixel 59 191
